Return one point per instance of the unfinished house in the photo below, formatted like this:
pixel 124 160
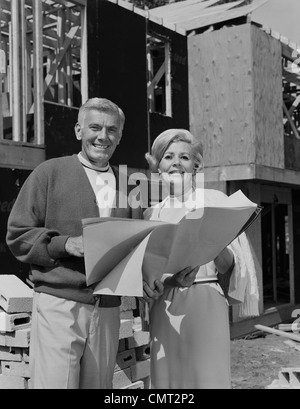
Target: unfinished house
pixel 196 64
pixel 43 80
pixel 210 69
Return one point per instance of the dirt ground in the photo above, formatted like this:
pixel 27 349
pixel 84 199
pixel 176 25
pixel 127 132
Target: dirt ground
pixel 257 360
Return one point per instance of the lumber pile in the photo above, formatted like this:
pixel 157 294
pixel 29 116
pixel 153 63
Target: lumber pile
pixel 288 378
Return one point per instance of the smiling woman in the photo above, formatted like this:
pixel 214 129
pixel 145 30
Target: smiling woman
pixel 189 325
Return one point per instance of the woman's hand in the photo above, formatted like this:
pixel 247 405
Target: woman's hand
pixel 152 294
pixel 184 278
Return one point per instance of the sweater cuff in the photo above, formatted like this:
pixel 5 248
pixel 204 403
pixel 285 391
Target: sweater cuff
pixel 56 247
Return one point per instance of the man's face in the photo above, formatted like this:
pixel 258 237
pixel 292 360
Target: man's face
pixel 100 134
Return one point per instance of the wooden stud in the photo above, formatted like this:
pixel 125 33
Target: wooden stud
pixel 2 68
pixel 291 254
pixel 291 122
pixel 83 56
pixel 16 72
pixel 24 70
pixel 60 73
pixel 220 17
pixel 68 69
pixel 39 129
pixel 168 86
pixel 58 59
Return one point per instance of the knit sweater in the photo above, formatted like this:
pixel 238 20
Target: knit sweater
pixel 50 207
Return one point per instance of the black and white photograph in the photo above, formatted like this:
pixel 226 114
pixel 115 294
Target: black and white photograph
pixel 150 197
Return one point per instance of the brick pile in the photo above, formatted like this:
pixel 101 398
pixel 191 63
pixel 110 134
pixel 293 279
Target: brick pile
pixel 132 369
pixel 288 378
pixel 15 322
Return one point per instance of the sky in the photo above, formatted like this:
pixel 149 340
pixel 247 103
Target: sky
pixel 282 16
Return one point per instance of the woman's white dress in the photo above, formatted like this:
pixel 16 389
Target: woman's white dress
pixel 189 327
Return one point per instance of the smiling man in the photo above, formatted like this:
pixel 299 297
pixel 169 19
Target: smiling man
pixel 74 335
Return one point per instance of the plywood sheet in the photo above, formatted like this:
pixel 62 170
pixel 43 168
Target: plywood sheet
pixel 221 95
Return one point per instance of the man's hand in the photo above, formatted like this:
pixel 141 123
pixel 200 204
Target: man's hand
pixel 152 294
pixel 74 246
pixel 184 278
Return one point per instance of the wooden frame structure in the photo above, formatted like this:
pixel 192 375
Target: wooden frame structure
pixel 244 100
pixel 43 58
pixel 159 78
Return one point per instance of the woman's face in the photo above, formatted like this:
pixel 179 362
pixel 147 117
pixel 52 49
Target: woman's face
pixel 177 166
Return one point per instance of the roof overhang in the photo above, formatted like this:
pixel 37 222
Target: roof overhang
pixel 187 16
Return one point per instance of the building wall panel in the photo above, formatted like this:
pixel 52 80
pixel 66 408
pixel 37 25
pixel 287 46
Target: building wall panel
pixel 236 96
pixel 268 98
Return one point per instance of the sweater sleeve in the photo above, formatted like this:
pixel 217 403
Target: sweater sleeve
pixel 27 237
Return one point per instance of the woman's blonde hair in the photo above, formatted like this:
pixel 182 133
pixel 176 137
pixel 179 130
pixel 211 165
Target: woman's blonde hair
pixel 165 139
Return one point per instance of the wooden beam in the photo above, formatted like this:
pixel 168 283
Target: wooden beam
pixel 71 3
pixel 274 331
pixel 272 316
pixel 2 70
pixel 168 79
pixel 39 128
pixel 84 56
pixel 220 17
pixel 252 172
pixel 295 105
pixel 20 155
pixel 24 70
pixel 291 122
pixel 192 12
pixel 167 10
pixel 15 63
pixel 60 74
pixel 60 56
pixel 158 76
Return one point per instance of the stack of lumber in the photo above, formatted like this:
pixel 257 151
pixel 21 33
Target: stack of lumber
pixel 288 378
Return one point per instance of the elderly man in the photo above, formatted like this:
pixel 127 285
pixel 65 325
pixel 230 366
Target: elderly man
pixel 74 335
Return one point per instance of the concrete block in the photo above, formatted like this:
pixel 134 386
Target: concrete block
pixel 15 369
pixel 122 378
pixel 137 324
pixel 125 359
pixel 12 322
pixel 142 352
pixel 288 378
pixel 10 354
pixel 135 385
pixel 130 343
pixel 25 355
pixel 15 296
pixel 122 345
pixel 126 315
pixel 126 329
pixel 140 370
pixel 128 303
pixel 141 338
pixel 13 382
pixel 19 338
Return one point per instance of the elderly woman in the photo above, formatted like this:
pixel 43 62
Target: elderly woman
pixel 189 322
